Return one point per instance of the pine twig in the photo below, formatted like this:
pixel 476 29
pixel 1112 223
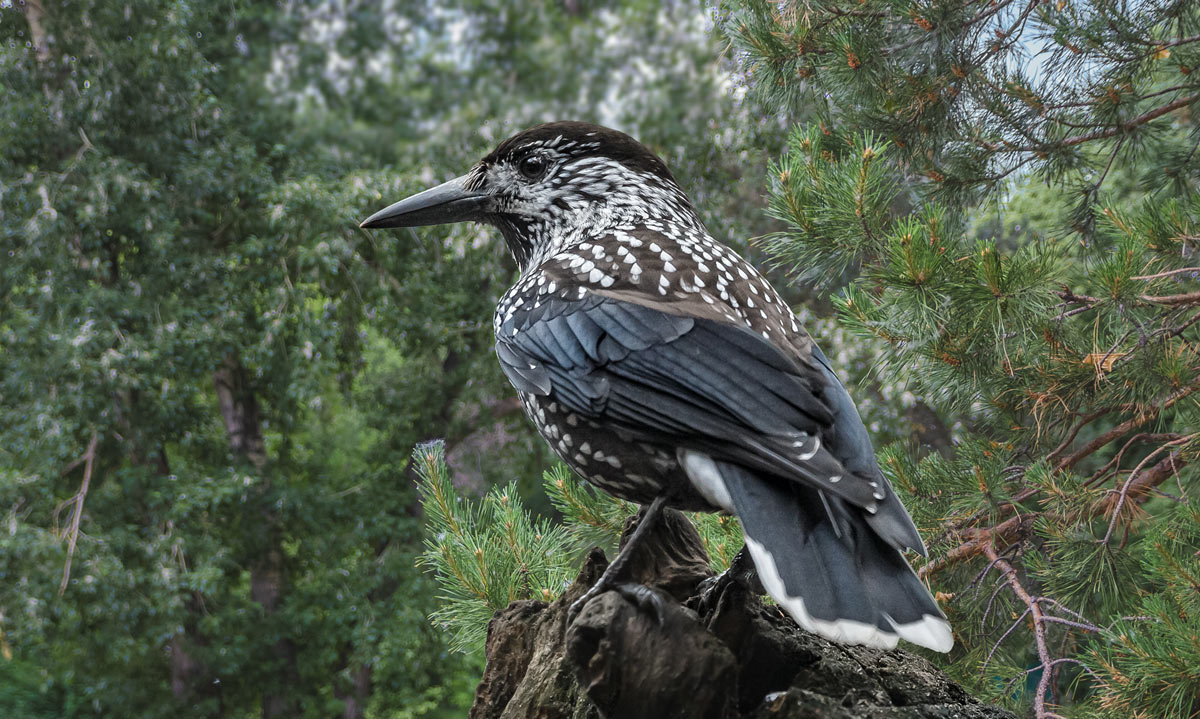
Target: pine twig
pixel 1189 298
pixel 1126 426
pixel 1084 421
pixel 1168 273
pixel 979 540
pixel 1143 481
pixel 1126 126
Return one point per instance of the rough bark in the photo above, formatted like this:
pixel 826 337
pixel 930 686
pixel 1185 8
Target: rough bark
pixel 717 655
pixel 268 573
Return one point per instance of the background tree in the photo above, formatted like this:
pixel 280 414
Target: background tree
pixel 211 382
pixel 1006 195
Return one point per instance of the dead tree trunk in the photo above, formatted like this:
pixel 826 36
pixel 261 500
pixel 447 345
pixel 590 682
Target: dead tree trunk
pixel 716 656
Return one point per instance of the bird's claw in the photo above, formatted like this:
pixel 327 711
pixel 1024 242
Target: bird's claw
pixel 640 596
pixel 577 606
pixel 645 599
pixel 740 572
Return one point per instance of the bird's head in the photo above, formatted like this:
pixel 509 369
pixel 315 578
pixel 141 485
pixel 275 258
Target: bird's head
pixel 547 186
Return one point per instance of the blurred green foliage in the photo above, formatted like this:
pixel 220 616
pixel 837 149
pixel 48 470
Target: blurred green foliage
pixel 184 291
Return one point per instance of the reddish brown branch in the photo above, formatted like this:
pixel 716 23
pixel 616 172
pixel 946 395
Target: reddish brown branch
pixel 1128 425
pixel 1116 460
pixel 978 540
pixel 1086 420
pixel 1137 487
pixel 1168 273
pixel 1039 630
pixel 1188 298
pixel 1179 329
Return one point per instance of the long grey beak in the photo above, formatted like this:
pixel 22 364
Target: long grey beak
pixel 448 202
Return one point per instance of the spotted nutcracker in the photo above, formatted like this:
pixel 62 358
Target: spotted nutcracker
pixel 666 370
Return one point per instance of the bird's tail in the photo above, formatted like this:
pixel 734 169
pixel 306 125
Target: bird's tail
pixel 841 580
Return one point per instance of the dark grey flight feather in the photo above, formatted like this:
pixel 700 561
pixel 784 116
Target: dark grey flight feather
pixel 695 383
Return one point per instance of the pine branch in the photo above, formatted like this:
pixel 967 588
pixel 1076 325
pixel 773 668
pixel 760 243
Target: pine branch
pixel 1125 427
pixel 1123 127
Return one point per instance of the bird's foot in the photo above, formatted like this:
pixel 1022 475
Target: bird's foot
pixel 608 580
pixel 741 571
pixel 645 599
pixel 639 595
pixel 577 605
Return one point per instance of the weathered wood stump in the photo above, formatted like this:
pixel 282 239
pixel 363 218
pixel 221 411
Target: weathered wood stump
pixel 725 656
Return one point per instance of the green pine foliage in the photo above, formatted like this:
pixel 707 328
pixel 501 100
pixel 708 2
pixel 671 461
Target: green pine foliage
pixel 486 553
pixel 1148 666
pixel 490 551
pixel 595 518
pixel 1002 199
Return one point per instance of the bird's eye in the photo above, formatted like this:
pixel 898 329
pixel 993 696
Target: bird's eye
pixel 532 167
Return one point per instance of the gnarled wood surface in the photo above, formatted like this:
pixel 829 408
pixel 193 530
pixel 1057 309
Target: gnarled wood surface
pixel 720 656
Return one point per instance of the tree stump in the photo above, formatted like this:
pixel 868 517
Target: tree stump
pixel 725 656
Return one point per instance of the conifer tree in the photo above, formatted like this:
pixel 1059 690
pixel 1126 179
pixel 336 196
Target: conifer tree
pixel 1002 198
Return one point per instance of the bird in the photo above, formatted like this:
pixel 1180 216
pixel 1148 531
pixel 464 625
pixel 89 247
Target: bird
pixel 666 370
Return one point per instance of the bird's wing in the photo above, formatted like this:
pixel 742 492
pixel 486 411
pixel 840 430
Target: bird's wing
pixel 693 382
